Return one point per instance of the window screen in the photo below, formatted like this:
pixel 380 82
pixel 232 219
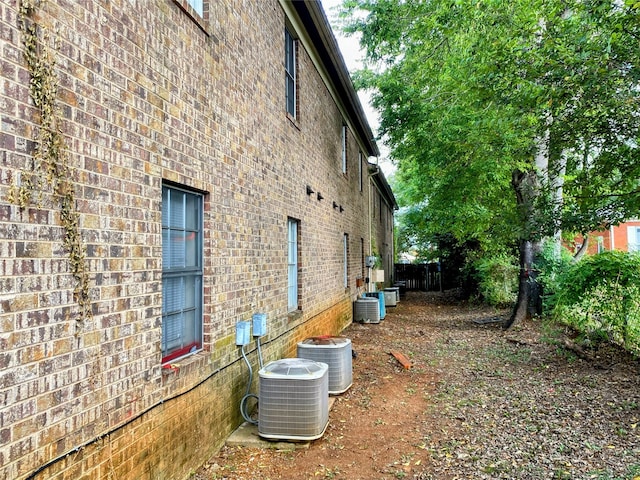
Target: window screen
pixel 198 6
pixel 181 272
pixel 292 261
pixel 290 72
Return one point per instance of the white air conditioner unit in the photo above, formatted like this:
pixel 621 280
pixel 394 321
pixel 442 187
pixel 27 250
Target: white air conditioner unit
pixel 366 310
pixel 390 297
pixel 380 296
pixel 293 399
pixel 336 353
pixel 396 289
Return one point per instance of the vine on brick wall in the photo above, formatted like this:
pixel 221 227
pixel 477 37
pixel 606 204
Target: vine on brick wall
pixel 50 162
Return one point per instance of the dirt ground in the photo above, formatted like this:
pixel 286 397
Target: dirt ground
pixel 478 402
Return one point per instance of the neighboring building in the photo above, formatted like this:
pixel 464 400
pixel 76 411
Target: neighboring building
pixel 219 164
pixel 382 206
pixel 624 237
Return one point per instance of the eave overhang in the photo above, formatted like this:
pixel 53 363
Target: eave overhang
pixel 322 43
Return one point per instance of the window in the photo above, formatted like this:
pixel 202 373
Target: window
pixel 344 149
pixel 360 170
pixel 181 272
pixel 600 241
pixel 290 72
pixel 633 235
pixel 345 243
pixel 198 6
pixel 292 261
pixel 362 256
pixel 197 10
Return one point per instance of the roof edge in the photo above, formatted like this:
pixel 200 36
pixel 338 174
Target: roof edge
pixel 317 25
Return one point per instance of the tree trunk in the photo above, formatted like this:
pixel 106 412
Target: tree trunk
pixel 535 288
pixel 526 188
pixel 583 248
pixel 521 307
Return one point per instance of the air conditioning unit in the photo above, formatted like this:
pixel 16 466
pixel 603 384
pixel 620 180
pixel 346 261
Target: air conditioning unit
pixel 380 297
pixel 396 289
pixel 294 399
pixel 366 310
pixel 390 297
pixel 402 289
pixel 336 353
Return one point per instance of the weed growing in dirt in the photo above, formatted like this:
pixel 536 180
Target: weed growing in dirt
pixel 365 401
pixel 509 355
pixel 329 472
pixel 633 473
pixel 567 355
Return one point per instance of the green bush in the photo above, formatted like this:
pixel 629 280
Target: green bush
pixel 497 279
pixel 551 264
pixel 599 296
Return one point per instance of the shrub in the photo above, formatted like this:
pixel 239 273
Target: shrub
pixel 599 296
pixel 497 279
pixel 551 264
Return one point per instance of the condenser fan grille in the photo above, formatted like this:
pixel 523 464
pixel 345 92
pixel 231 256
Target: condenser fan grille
pixel 336 353
pixel 366 310
pixel 294 399
pixel 380 297
pixel 389 297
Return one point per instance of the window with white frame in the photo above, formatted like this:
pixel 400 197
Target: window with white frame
pixel 360 170
pixel 182 259
pixel 292 262
pixel 344 148
pixel 198 6
pixel 633 236
pixel 345 247
pixel 362 266
pixel 290 72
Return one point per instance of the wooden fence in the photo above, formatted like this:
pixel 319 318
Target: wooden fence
pixel 426 276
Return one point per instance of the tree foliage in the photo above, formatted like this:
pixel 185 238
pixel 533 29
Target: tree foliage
pixel 467 90
pixel 510 120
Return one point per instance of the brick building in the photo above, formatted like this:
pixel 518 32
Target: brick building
pixel 624 237
pixel 214 164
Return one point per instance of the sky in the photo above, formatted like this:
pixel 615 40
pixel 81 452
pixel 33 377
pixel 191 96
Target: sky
pixel 350 49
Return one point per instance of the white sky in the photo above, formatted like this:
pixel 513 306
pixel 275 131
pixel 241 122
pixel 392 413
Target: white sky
pixel 350 49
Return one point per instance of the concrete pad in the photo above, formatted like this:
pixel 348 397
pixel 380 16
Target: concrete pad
pixel 246 435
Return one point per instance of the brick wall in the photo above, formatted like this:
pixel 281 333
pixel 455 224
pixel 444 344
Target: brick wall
pixel 619 234
pixel 147 95
pixel 382 232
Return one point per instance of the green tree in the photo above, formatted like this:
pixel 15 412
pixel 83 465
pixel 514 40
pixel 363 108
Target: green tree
pixel 509 120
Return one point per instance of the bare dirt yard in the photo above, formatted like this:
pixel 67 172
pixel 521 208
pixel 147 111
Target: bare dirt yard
pixel 478 402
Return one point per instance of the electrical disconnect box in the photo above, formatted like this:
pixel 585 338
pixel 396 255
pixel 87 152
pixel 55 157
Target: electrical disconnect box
pixel 243 333
pixel 259 324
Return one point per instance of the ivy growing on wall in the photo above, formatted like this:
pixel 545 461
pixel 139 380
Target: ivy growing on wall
pixel 50 162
